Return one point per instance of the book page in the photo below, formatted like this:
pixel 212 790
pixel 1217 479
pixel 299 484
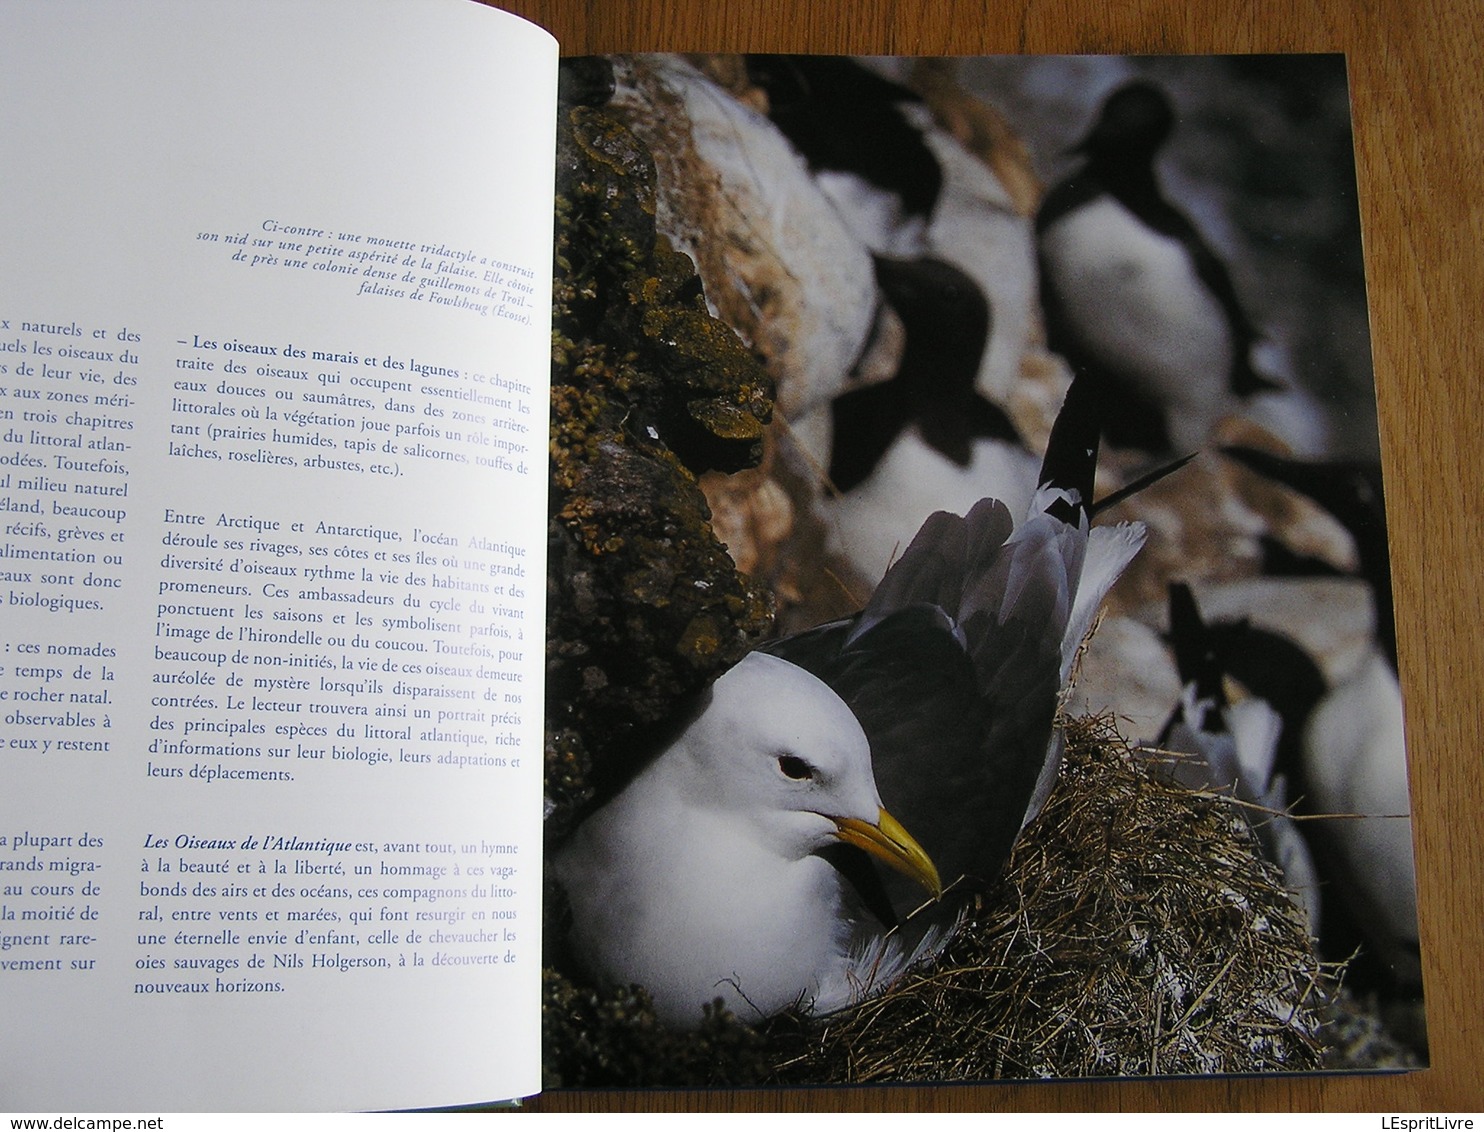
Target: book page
pixel 274 340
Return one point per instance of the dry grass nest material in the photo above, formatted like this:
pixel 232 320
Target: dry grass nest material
pixel 1136 931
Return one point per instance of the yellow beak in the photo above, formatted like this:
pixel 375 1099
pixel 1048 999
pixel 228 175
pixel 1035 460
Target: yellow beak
pixel 888 841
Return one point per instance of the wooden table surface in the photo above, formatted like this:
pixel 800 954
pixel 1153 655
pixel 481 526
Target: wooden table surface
pixel 1419 134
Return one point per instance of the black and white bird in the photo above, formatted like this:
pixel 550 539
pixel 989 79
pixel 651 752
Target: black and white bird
pixel 1353 742
pixel 1132 294
pixel 946 320
pixel 728 868
pixel 1233 748
pixel 853 128
pixel 1351 491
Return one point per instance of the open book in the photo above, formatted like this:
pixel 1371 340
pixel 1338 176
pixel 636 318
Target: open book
pixel 276 355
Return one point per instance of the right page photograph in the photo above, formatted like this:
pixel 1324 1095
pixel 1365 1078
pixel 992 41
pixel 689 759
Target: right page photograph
pixel 971 651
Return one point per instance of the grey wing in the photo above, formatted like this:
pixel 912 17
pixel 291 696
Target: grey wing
pixel 953 670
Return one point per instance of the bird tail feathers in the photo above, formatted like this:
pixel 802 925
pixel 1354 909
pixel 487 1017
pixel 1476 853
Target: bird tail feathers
pixel 1109 551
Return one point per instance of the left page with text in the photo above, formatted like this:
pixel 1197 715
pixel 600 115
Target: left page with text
pixel 274 342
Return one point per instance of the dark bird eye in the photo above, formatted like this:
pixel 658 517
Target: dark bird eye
pixel 795 767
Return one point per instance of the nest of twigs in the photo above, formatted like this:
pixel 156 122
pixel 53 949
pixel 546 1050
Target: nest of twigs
pixel 1136 931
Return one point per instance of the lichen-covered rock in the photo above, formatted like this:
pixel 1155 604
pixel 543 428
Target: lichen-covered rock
pixel 648 392
pixel 780 264
pixel 593 1039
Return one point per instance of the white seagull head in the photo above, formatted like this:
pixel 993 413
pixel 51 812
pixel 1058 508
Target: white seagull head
pixel 778 753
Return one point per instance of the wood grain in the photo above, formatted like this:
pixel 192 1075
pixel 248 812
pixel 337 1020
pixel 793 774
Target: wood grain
pixel 1414 69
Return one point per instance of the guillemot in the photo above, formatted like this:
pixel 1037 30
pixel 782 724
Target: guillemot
pixel 1132 294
